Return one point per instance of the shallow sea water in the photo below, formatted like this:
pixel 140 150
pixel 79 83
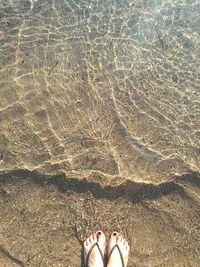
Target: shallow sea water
pixel 99 129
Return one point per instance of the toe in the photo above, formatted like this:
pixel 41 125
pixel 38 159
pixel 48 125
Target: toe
pixel 94 237
pixel 91 238
pixel 115 235
pixel 120 239
pixel 87 242
pixel 99 233
pixel 113 239
pixel 101 237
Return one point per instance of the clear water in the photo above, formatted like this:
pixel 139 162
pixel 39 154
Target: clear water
pixel 103 90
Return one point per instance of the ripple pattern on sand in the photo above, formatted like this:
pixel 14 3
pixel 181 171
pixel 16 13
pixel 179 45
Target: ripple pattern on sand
pixel 108 89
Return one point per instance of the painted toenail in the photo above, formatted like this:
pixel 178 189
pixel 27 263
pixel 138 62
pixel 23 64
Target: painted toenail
pixel 99 233
pixel 114 233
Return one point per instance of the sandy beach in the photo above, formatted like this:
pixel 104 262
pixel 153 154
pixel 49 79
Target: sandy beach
pixel 99 129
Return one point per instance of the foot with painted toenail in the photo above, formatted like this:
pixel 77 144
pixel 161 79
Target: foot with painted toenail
pixel 94 249
pixel 118 251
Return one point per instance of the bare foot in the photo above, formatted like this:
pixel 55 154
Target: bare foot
pixel 114 259
pixel 94 257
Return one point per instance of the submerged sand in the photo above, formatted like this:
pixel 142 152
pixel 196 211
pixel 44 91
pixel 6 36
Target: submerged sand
pixel 99 129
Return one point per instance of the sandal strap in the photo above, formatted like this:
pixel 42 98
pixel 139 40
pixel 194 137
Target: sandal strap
pixel 86 259
pixel 120 253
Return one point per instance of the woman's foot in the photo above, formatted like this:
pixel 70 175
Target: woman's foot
pixel 119 244
pixel 95 257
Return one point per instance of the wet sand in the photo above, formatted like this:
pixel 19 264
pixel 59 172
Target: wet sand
pixel 99 129
pixel 45 219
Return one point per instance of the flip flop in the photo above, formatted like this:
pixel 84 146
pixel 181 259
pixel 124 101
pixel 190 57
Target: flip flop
pixel 86 258
pixel 120 253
